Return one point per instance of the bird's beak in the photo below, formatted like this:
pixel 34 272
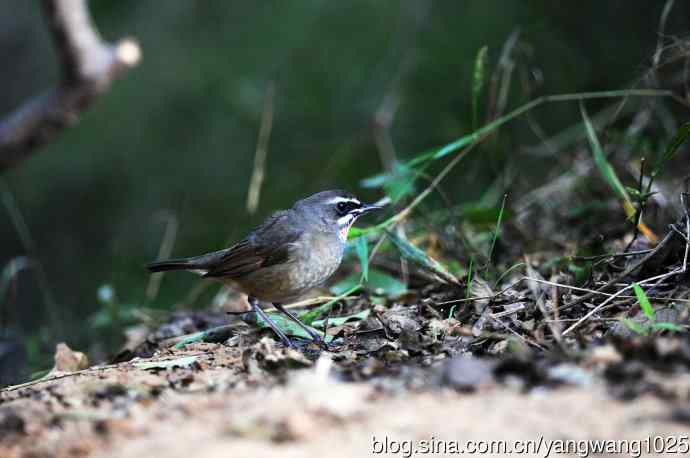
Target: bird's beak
pixel 366 208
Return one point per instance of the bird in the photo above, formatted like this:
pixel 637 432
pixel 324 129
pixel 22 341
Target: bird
pixel 291 252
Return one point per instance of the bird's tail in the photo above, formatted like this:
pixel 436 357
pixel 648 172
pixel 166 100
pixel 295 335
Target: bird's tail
pixel 174 264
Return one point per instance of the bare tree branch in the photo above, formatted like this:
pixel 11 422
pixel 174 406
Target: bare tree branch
pixel 89 65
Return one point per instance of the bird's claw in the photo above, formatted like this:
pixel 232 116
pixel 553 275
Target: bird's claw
pixel 323 345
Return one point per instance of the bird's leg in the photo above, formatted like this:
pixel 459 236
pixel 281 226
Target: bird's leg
pixel 283 338
pixel 315 337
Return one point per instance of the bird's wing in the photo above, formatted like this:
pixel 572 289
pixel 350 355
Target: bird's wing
pixel 271 243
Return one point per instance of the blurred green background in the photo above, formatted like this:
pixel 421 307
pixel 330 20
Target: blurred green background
pixel 177 134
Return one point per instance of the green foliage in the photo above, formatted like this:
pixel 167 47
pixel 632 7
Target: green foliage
pixel 651 325
pixel 422 160
pixel 382 284
pixel 216 334
pixel 470 278
pixel 113 314
pixel 645 305
pixel 582 273
pixel 379 283
pixel 478 82
pixel 362 247
pixel 419 257
pixel 604 166
pixel 288 326
pixel 481 215
pixel 498 227
pixel 681 137
pixel 340 320
pixel 311 316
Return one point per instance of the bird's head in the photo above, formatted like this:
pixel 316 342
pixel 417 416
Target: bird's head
pixel 335 209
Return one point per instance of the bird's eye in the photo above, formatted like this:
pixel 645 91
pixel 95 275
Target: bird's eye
pixel 341 207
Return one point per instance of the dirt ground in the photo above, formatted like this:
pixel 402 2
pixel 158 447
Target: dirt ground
pixel 216 400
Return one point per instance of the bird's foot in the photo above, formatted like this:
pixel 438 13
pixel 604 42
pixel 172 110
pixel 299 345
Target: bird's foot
pixel 318 340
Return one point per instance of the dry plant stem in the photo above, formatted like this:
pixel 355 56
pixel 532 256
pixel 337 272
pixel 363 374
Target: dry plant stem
pixel 80 372
pixel 261 151
pixel 164 252
pixel 661 277
pixel 519 336
pixel 624 274
pixel 215 331
pixel 53 378
pixel 29 245
pixel 661 34
pixel 501 78
pixel 88 67
pixel 611 255
pixel 615 295
pixel 312 301
pixel 575 288
pixel 508 312
pixel 539 299
pixel 382 121
pixel 546 282
pixel 383 118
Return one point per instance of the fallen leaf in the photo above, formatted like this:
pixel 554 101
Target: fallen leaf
pixel 68 360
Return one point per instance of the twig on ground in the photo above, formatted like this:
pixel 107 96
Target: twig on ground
pixel 601 293
pixel 611 255
pixel 539 299
pixel 622 275
pixel 523 338
pixel 312 301
pixel 88 370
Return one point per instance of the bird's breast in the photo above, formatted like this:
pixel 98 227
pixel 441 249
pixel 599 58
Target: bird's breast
pixel 320 256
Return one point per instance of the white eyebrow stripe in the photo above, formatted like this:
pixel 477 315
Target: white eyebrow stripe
pixel 337 200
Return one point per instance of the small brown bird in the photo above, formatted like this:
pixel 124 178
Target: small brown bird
pixel 291 252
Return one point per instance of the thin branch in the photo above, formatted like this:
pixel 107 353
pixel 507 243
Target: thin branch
pixel 88 67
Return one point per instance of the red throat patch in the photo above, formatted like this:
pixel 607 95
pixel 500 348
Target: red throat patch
pixel 342 233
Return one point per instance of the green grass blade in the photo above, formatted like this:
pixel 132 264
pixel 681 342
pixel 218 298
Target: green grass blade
pixel 470 278
pixel 442 151
pixel 601 162
pixel 645 305
pixel 340 320
pixel 383 284
pixel 668 327
pixel 419 257
pixel 681 137
pixel 635 327
pixel 498 226
pixel 478 82
pixel 362 248
pixel 288 326
pixel 309 317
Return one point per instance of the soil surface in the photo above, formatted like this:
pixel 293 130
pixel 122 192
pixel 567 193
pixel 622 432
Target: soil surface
pixel 265 400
